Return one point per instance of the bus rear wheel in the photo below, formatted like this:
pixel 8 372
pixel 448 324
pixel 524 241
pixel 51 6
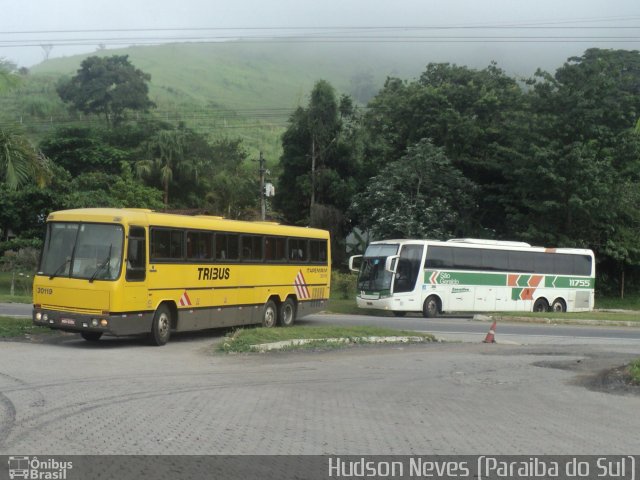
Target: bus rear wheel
pixel 559 306
pixel 287 313
pixel 161 326
pixel 431 307
pixel 269 314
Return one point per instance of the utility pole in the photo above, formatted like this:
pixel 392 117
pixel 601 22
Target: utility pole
pixel 313 171
pixel 263 196
pixel 266 188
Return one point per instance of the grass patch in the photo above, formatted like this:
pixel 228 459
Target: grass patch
pixel 22 288
pixel 630 302
pixel 243 340
pixel 634 371
pixel 6 298
pixel 11 327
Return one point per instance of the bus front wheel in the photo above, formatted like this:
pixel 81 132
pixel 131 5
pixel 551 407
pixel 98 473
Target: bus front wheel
pixel 269 314
pixel 161 326
pixel 431 307
pixel 288 313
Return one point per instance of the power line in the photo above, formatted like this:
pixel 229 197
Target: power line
pixel 329 34
pixel 377 40
pixel 548 24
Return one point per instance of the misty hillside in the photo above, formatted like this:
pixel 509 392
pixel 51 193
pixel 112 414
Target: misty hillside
pixel 240 89
pixel 252 75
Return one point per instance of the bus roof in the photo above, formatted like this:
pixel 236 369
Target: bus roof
pixel 145 217
pixel 491 244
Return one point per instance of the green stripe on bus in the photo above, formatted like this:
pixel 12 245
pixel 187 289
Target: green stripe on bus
pixel 465 278
pixel 437 277
pixel 553 281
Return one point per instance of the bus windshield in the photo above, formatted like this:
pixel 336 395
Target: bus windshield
pixel 373 276
pixel 89 251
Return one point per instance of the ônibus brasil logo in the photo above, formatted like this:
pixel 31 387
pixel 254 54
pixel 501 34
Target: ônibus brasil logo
pixel 35 469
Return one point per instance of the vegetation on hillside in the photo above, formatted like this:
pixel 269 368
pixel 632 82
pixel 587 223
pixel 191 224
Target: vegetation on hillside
pixel 456 152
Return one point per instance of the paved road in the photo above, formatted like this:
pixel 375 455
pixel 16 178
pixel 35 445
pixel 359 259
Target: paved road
pixel 16 309
pixel 120 396
pixel 459 329
pixel 468 330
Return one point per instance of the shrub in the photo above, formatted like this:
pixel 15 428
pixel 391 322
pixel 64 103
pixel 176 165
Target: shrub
pixel 343 285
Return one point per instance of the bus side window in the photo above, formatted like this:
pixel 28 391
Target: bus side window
pixel 136 255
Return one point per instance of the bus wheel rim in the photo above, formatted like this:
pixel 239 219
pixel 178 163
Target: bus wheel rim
pixel 432 307
pixel 269 316
pixel 163 325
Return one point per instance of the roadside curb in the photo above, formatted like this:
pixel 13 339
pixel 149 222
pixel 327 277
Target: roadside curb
pixel 266 347
pixel 509 318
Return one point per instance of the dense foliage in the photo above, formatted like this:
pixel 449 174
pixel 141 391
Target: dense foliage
pixel 553 161
pixel 463 152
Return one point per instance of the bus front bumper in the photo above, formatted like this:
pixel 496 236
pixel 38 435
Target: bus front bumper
pixel 111 324
pixel 374 303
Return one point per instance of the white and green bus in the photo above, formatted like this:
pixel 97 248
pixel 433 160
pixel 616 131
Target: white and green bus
pixel 471 275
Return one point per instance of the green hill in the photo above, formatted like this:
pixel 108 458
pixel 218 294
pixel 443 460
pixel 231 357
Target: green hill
pixel 239 89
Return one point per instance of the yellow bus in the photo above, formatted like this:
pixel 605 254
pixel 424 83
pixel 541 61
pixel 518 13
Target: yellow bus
pixel 133 271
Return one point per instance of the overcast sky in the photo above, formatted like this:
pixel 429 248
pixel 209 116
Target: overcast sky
pixel 76 26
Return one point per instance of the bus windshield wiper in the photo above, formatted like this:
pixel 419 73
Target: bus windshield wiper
pixel 101 266
pixel 60 268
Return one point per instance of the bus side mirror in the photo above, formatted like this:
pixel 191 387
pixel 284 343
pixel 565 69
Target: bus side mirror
pixel 391 264
pixel 354 265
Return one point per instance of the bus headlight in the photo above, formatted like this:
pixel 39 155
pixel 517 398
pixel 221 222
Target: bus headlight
pixel 94 322
pixel 45 317
pixel 104 322
pixel 38 316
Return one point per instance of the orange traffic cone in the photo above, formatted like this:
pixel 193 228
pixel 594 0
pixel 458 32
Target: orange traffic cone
pixel 490 338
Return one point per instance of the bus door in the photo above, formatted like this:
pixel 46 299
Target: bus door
pixel 136 270
pixel 407 271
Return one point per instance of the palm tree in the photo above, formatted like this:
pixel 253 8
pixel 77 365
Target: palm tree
pixel 167 151
pixel 20 162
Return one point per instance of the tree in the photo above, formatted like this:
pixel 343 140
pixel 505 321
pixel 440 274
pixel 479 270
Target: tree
pixel 98 189
pixel 232 187
pixel 23 211
pixel 477 116
pixel 579 185
pixel 233 193
pixel 320 164
pixel 422 195
pixel 82 149
pixel 20 162
pixel 167 159
pixel 107 86
pixel 590 98
pixel 319 156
